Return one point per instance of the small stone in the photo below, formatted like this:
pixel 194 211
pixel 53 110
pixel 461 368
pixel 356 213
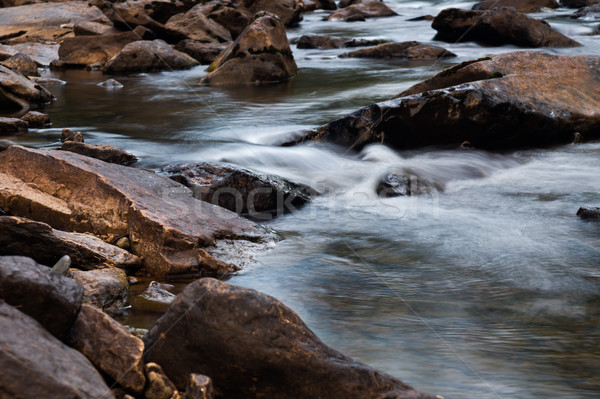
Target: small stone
pixel 157 292
pixel 132 280
pixel 111 84
pixel 103 288
pixel 96 66
pixel 69 135
pixel 123 243
pixel 589 213
pixel 63 265
pixel 199 387
pixel 158 384
pixel 36 119
pixel 577 137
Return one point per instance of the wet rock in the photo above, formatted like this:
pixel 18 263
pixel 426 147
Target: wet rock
pixel 87 28
pixel 166 226
pixel 422 18
pixel 204 53
pixel 111 84
pixel 48 81
pixel 148 56
pixel 69 135
pixel 289 12
pixel 362 11
pixel 123 243
pixel 62 266
pixel 589 213
pixel 110 347
pixel 261 54
pixel 199 387
pixel 103 152
pixel 4 144
pixel 405 50
pixel 19 93
pixel 589 13
pixel 506 101
pixel 226 14
pixel 36 119
pixel 328 5
pixel 519 5
pixel 240 190
pixel 22 64
pixel 498 26
pixel 43 54
pixel 104 288
pixel 41 293
pixel 405 183
pixel 80 51
pixel 35 364
pixel 195 25
pixel 159 386
pixel 157 292
pixel 578 3
pixel 253 346
pixel 346 3
pixel 10 126
pixel 328 42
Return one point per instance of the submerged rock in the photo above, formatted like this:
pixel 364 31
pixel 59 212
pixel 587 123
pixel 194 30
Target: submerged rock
pixel 361 11
pixel 589 213
pixel 23 64
pixel 519 5
pixel 405 50
pixel 156 292
pixel 103 152
pixel 19 93
pixel 103 288
pixel 405 183
pixel 328 42
pixel 36 119
pixel 253 346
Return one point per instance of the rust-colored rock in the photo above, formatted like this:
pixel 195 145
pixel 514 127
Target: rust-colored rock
pixel 102 288
pixel 519 5
pixel 226 13
pixel 199 387
pixel 103 152
pixel 197 26
pixel 110 347
pixel 19 93
pixel 204 53
pixel 10 126
pixel 362 11
pixel 328 42
pixel 69 135
pixel 404 50
pixel 159 386
pixel 288 11
pixel 36 119
pixel 23 64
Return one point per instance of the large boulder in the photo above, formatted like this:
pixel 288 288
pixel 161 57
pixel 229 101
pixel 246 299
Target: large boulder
pixel 253 346
pixel 519 5
pixel 261 54
pixel 404 50
pixel 103 288
pixel 204 53
pixel 110 347
pixel 19 236
pixel 167 227
pixel 104 152
pixel 226 13
pixel 498 26
pixel 195 25
pixel 38 291
pixel 35 364
pixel 148 56
pixel 506 101
pixel 43 54
pixel 19 93
pixel 362 11
pixel 159 386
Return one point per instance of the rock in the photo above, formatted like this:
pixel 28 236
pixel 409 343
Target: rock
pixel 405 183
pixel 325 5
pixel 41 293
pixel 498 26
pixel 4 144
pixel 204 53
pixel 36 119
pixel 240 190
pixel 123 243
pixel 23 64
pixel 589 13
pixel 87 28
pixel 519 5
pixel 103 152
pixel 111 84
pixel 505 101
pixel 261 54
pixel 346 3
pixel 405 50
pixel 589 213
pixel 167 227
pixel 46 245
pixel 253 346
pixel 104 288
pixel 19 93
pixel 110 347
pixel 195 25
pixel 361 11
pixel 45 22
pixel 63 265
pixel 289 12
pixel 199 387
pixel 159 386
pixel 48 81
pixel 328 42
pixel 148 56
pixel 10 126
pixel 157 293
pixel 42 54
pixel 578 3
pixel 69 135
pixel 226 14
pixel 35 364
pixel 80 51
pixel 422 18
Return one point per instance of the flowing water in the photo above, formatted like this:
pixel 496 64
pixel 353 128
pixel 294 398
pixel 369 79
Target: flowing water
pixel 488 289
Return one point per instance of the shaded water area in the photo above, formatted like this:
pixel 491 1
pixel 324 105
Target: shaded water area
pixel 488 289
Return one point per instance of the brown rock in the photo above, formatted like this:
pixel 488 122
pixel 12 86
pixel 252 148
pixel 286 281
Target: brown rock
pixel 497 26
pixel 196 26
pixel 41 293
pixel 361 11
pixel 36 119
pixel 87 28
pixel 4 144
pixel 69 135
pixel 589 213
pixel 204 53
pixel 110 347
pixel 19 93
pixel 288 11
pixel 346 3
pixel 519 5
pixel 578 3
pixel 159 386
pixel 328 42
pixel 148 56
pixel 10 126
pixel 35 364
pixel 227 15
pixel 42 54
pixel 103 152
pixel 104 288
pixel 23 64
pixel 166 225
pixel 261 54
pixel 253 346
pixel 405 50
pixel 199 387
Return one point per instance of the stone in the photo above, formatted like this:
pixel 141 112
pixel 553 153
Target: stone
pixel 103 152
pixel 35 364
pixel 361 11
pixel 589 213
pixel 204 53
pixel 168 228
pixel 498 26
pixel 23 64
pixel 405 183
pixel 69 135
pixel 48 81
pixel 328 42
pixel 346 3
pixel 18 93
pixel 261 54
pixel 36 119
pixel 43 54
pixel 195 25
pixel 404 50
pixel 123 243
pixel 4 144
pixel 240 190
pixel 63 265
pixel 156 292
pixel 24 237
pixel 253 346
pixel 519 5
pixel 103 288
pixel 86 28
pixel 591 12
pixel 226 14
pixel 41 293
pixel 578 3
pixel 199 387
pixel 111 84
pixel 110 347
pixel 289 12
pixel 159 386
pixel 10 126
pixel 148 56
pixel 507 101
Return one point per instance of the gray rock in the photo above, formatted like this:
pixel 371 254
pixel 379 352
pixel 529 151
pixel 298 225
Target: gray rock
pixel 19 93
pixel 104 288
pixel 103 152
pixel 148 56
pixel 63 265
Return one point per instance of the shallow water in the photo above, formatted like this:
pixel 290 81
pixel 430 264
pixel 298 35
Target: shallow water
pixel 488 289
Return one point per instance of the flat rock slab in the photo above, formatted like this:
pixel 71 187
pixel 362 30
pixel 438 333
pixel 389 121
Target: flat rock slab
pixel 104 152
pixel 35 364
pixel 19 93
pixel 24 237
pixel 103 288
pixel 38 291
pixel 503 102
pixel 166 225
pixel 253 346
pixel 405 50
pixel 11 126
